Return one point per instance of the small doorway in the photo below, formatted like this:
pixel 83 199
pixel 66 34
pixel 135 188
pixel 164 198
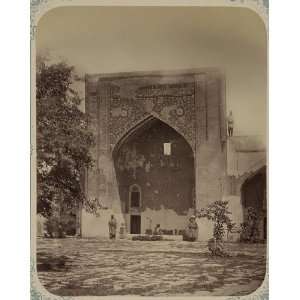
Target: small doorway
pixel 135 224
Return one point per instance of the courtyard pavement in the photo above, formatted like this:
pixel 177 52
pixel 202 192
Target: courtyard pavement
pixel 82 267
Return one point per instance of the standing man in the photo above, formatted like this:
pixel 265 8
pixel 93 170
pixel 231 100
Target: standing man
pixel 112 227
pixel 192 230
pixel 230 123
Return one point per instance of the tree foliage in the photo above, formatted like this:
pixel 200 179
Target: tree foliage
pixel 219 213
pixel 63 140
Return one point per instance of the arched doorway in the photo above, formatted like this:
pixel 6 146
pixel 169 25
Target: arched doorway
pixel 154 167
pixel 135 206
pixel 254 196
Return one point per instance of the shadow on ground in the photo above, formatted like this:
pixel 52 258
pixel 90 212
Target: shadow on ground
pixel 81 267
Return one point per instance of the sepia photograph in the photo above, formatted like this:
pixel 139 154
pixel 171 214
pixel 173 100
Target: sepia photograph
pixel 150 151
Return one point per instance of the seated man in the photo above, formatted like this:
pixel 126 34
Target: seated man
pixel 157 230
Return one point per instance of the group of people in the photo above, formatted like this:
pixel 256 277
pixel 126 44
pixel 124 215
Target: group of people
pixel 191 232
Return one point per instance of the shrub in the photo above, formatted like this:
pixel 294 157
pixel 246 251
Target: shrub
pixel 147 238
pixel 249 229
pixel 218 213
pixel 59 227
pixel 54 227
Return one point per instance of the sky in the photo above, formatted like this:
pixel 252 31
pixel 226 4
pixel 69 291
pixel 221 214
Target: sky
pixel 126 39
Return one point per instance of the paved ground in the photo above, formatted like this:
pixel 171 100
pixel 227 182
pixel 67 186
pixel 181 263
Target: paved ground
pixel 100 267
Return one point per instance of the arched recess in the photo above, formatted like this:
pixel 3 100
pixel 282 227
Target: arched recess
pixel 254 195
pixel 163 180
pixel 144 123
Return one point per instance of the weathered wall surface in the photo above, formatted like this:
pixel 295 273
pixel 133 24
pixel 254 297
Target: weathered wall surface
pixel 164 180
pixel 210 138
pixel 190 102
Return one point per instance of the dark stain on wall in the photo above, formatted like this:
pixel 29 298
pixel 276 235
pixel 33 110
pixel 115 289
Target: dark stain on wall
pixel 164 180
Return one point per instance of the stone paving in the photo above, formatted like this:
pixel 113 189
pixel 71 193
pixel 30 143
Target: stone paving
pixel 81 267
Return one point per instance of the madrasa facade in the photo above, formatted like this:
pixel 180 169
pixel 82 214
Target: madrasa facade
pixel 162 153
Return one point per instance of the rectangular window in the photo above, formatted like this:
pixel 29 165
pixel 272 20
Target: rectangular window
pixel 167 148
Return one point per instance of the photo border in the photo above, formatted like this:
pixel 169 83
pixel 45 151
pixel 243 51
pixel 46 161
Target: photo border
pixel 39 8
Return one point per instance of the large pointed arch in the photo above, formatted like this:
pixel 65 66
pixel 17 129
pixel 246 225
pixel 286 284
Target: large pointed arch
pixel 165 181
pixel 143 124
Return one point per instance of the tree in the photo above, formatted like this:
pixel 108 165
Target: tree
pixel 219 213
pixel 63 140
